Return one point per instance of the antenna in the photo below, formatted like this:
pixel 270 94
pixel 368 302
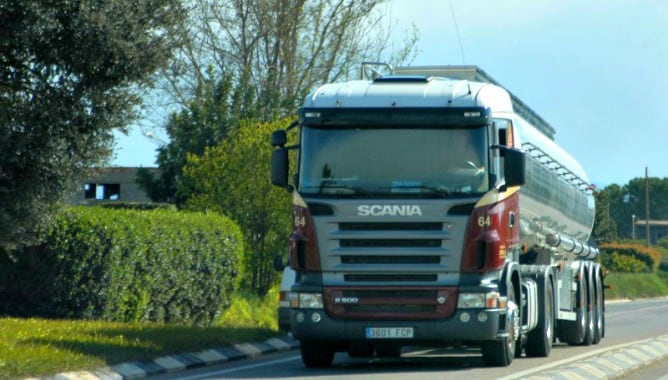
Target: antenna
pixel 459 37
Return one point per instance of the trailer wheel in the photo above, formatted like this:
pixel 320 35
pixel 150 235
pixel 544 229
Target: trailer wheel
pixel 591 326
pixel 599 316
pixel 317 354
pixel 539 342
pixel 500 353
pixel 573 332
pixel 602 283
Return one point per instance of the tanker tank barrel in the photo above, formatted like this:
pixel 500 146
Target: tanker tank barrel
pixel 572 246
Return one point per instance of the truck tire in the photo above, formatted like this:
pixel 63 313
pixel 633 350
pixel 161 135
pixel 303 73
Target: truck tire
pixel 573 332
pixel 599 304
pixel 500 353
pixel 591 326
pixel 539 341
pixel 603 305
pixel 317 354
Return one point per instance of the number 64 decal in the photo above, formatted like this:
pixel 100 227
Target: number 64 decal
pixel 484 221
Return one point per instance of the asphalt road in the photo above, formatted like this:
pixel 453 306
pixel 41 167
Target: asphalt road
pixel 626 323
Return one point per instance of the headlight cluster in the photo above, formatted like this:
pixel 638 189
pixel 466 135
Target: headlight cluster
pixel 490 300
pixel 306 301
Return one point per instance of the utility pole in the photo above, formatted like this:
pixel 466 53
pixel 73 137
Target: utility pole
pixel 647 205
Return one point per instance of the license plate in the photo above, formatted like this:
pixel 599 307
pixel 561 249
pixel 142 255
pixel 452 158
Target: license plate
pixel 389 332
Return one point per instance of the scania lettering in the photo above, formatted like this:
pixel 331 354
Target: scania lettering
pixel 389 210
pixel 432 207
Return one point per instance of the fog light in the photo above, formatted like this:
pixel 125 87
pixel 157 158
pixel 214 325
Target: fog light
pixel 464 317
pixel 300 317
pixel 482 317
pixel 316 317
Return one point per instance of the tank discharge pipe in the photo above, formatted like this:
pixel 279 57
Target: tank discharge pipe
pixel 573 246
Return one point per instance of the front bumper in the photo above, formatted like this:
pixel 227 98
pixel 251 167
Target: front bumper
pixel 467 325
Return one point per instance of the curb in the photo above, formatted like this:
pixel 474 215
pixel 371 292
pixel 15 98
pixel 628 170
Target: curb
pixel 179 362
pixel 611 364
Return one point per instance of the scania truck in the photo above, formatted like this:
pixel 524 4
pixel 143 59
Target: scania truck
pixel 432 207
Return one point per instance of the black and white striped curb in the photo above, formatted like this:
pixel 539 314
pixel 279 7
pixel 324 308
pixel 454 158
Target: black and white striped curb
pixel 172 363
pixel 610 364
pixel 601 364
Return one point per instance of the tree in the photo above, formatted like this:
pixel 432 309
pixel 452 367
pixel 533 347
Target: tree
pixel 278 50
pixel 232 178
pixel 204 122
pixel 68 71
pixel 629 200
pixel 266 55
pixel 605 227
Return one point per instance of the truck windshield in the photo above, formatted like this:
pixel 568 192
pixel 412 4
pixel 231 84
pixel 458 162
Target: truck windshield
pixel 375 162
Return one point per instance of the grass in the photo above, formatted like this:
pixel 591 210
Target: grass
pixel 637 285
pixel 40 347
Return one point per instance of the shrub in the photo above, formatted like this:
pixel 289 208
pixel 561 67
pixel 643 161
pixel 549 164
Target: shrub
pixel 629 257
pixel 232 178
pixel 128 266
pixel 249 309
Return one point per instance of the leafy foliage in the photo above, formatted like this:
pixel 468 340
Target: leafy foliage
pixel 662 246
pixel 605 227
pixel 248 309
pixel 276 51
pixel 127 265
pixel 233 178
pixel 257 59
pixel 69 75
pixel 629 257
pixel 630 199
pixel 204 122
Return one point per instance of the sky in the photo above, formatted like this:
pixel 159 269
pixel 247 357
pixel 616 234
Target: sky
pixel 596 70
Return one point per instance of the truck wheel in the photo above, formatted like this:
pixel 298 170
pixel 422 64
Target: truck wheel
pixel 602 303
pixel 316 354
pixel 589 331
pixel 573 332
pixel 500 353
pixel 599 315
pixel 539 342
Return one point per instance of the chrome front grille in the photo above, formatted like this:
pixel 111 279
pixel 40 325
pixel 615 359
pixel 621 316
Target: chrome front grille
pixel 390 252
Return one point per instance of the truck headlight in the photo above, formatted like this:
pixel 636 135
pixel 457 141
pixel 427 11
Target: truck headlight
pixel 307 301
pixel 478 300
pixel 471 300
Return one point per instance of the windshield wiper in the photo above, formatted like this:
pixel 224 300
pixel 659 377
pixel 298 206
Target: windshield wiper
pixel 337 189
pixel 442 191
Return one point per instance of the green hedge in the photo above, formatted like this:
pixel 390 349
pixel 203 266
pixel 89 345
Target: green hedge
pixel 629 257
pixel 127 265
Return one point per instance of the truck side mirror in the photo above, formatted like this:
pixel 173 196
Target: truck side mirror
pixel 514 166
pixel 279 138
pixel 278 263
pixel 279 168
